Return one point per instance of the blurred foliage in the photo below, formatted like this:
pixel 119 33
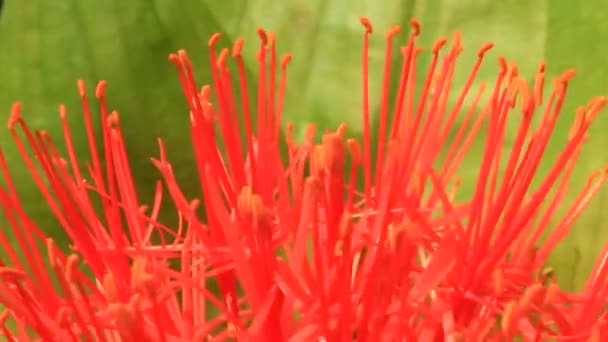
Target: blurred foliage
pixel 46 45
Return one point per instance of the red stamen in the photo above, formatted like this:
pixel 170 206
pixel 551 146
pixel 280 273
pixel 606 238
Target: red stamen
pixel 298 251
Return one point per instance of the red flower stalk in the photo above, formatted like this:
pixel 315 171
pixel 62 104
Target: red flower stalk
pixel 298 251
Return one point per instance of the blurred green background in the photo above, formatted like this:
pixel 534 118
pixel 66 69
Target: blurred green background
pixel 46 45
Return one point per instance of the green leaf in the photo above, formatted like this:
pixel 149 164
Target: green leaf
pixel 565 34
pixel 325 38
pixel 575 36
pixel 46 45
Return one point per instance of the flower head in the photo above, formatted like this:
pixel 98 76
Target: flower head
pixel 300 252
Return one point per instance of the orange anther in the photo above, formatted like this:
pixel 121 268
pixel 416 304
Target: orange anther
pixel 263 36
pixel 100 89
pixel 355 151
pixel 392 32
pixel 415 24
pixel 367 24
pixel 71 267
pixel 439 43
pixel 237 48
pixel 285 60
pixel 567 76
pixel 214 38
pixel 81 88
pixel 484 48
pixel 221 59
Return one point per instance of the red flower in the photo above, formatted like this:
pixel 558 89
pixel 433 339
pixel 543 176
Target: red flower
pixel 298 251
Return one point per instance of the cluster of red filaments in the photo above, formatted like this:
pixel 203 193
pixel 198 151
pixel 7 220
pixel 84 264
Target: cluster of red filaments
pixel 298 251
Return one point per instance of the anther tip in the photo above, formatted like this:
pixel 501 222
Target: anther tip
pixel 367 24
pixel 415 24
pixel 214 38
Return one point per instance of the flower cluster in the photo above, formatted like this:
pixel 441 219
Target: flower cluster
pixel 298 250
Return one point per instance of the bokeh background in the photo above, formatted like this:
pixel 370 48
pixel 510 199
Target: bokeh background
pixel 45 46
